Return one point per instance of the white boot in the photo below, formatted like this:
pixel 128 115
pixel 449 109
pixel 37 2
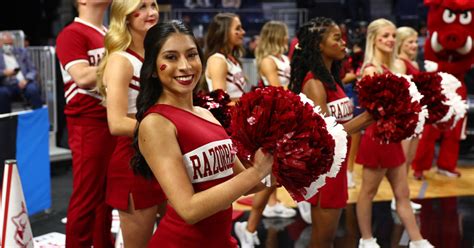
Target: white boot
pixel 421 244
pixel 368 243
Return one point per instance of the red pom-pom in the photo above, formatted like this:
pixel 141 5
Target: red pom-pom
pixel 429 85
pixel 217 102
pixel 277 121
pixel 387 98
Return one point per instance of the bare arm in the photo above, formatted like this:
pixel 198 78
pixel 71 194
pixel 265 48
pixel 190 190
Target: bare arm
pixel 161 151
pixel 238 168
pixel 358 123
pixel 349 77
pixel 314 90
pixel 117 76
pixel 217 72
pixel 269 70
pixel 400 66
pixel 84 75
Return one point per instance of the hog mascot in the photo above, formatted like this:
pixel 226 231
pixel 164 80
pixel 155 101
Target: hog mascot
pixel 447 49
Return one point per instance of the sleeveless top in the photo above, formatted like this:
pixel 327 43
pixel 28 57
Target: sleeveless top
pixel 235 80
pixel 209 160
pixel 411 69
pixel 339 105
pixel 334 194
pixel 134 87
pixel 284 70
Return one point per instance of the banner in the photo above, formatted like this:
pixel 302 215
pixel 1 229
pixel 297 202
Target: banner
pixel 25 137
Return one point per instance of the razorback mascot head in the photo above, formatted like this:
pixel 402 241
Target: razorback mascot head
pixel 451 29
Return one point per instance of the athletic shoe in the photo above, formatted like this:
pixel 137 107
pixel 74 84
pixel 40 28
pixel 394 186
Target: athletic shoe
pixel 278 211
pixel 415 206
pixel 421 244
pixel 246 238
pixel 368 243
pixel 305 211
pixel 447 173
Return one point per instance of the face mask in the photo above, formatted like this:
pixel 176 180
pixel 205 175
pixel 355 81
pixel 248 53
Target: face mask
pixel 7 48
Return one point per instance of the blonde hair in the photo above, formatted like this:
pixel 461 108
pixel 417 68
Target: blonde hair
pixel 372 31
pixel 402 34
pixel 272 40
pixel 118 38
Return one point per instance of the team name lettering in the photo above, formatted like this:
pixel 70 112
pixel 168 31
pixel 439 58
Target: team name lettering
pixel 95 56
pixel 210 161
pixel 341 109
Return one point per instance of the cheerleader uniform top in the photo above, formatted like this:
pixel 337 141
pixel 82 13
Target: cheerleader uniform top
pixel 411 69
pixel 372 153
pixel 284 70
pixel 134 87
pixel 334 193
pixel 208 159
pixel 235 80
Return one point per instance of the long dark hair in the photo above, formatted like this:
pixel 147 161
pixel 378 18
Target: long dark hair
pixel 151 87
pixel 307 56
pixel 217 37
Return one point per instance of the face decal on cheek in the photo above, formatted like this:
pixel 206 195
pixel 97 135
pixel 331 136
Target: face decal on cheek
pixel 162 67
pixel 136 14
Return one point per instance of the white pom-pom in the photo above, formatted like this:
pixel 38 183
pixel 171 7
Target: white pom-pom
pixel 457 106
pixel 416 96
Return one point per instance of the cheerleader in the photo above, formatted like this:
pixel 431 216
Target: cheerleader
pixel 381 160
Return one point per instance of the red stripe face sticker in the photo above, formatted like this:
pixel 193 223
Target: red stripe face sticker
pixel 162 67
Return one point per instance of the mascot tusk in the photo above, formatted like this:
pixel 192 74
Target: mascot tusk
pixel 435 44
pixel 467 47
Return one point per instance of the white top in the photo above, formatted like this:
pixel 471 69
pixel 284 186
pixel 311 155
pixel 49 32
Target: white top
pixel 235 80
pixel 284 70
pixel 134 86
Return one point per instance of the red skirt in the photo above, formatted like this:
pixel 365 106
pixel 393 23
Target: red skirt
pixel 334 193
pixel 121 181
pixel 372 154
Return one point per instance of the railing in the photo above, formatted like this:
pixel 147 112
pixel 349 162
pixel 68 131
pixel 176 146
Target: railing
pixel 249 67
pixel 44 59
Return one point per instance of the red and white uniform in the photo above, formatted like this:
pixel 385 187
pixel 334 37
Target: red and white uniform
pixel 81 42
pixel 89 217
pixel 235 80
pixel 284 70
pixel 208 159
pixel 121 181
pixel 334 194
pixel 411 69
pixel 372 154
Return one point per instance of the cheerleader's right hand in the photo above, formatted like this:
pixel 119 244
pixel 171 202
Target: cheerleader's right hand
pixel 263 162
